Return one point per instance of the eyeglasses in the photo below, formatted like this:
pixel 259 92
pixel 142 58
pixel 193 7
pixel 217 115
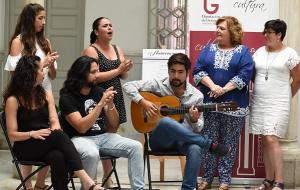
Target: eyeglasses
pixel 268 32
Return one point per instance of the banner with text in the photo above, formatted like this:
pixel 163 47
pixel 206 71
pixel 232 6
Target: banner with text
pixel 155 62
pixel 252 14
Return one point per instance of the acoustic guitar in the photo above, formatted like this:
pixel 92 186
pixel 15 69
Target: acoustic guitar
pixel 169 106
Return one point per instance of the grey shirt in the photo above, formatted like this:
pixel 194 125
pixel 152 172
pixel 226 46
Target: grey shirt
pixel 162 87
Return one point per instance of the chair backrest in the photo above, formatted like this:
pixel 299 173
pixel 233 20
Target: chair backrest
pixel 3 126
pixel 148 150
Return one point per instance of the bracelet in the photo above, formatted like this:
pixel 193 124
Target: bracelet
pixel 225 90
pixel 29 134
pixel 112 108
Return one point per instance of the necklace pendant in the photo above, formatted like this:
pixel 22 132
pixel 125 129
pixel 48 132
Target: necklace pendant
pixel 266 77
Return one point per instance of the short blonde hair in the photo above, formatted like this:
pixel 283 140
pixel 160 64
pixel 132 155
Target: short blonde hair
pixel 234 27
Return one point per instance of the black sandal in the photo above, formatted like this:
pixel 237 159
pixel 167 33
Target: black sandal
pixel 265 185
pixel 279 185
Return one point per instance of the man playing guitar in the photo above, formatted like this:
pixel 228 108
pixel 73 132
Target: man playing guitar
pixel 170 134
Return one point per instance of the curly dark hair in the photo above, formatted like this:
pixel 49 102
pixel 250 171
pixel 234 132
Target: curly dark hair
pixel 22 83
pixel 234 27
pixel 25 27
pixel 77 75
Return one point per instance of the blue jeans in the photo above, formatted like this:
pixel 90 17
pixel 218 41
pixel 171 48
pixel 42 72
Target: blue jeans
pixel 113 144
pixel 171 135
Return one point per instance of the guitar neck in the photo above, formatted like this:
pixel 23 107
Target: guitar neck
pixel 184 109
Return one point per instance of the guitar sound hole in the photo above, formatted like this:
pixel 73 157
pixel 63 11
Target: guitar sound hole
pixel 145 117
pixel 164 110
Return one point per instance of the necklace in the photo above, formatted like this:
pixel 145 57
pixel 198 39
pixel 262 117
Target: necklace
pixel 268 63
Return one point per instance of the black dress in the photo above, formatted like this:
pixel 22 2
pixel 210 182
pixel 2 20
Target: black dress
pixel 57 149
pixel 107 65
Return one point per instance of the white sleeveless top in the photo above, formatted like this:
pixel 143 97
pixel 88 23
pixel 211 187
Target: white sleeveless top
pixel 12 61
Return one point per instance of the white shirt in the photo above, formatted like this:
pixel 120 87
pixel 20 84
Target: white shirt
pixel 12 61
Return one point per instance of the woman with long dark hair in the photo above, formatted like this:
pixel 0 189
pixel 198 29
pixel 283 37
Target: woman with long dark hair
pixel 33 126
pixel 29 39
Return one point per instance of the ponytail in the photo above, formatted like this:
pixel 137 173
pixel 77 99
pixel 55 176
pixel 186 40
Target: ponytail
pixel 93 37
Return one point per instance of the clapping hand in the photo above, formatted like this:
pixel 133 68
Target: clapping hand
pixel 128 64
pixel 108 96
pixel 50 59
pixel 125 66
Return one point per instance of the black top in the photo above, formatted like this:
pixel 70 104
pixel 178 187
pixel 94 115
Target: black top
pixel 107 65
pixel 36 119
pixel 83 104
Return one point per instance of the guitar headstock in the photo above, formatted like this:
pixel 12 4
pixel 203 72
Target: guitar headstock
pixel 227 106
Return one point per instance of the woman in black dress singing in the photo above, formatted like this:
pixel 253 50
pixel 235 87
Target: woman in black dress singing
pixel 112 66
pixel 33 126
pixel 112 63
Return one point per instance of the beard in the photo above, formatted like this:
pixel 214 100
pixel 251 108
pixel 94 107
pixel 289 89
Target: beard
pixel 177 83
pixel 90 84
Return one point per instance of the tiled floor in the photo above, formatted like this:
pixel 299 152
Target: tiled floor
pixel 172 172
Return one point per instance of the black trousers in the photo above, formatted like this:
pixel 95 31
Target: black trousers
pixel 57 150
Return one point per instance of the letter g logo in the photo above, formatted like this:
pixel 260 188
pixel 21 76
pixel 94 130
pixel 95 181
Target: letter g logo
pixel 215 6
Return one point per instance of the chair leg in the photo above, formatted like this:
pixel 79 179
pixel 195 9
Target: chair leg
pixel 106 178
pixel 50 187
pixel 182 164
pixel 149 172
pixel 114 162
pixel 21 185
pixel 72 183
pixel 71 174
pixel 23 180
pixel 162 169
pixel 113 170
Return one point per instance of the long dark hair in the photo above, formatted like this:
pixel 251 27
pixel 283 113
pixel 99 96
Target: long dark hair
pixel 77 75
pixel 25 27
pixel 22 83
pixel 95 26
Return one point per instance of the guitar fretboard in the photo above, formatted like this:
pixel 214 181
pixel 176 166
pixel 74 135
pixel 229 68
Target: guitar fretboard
pixel 185 109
